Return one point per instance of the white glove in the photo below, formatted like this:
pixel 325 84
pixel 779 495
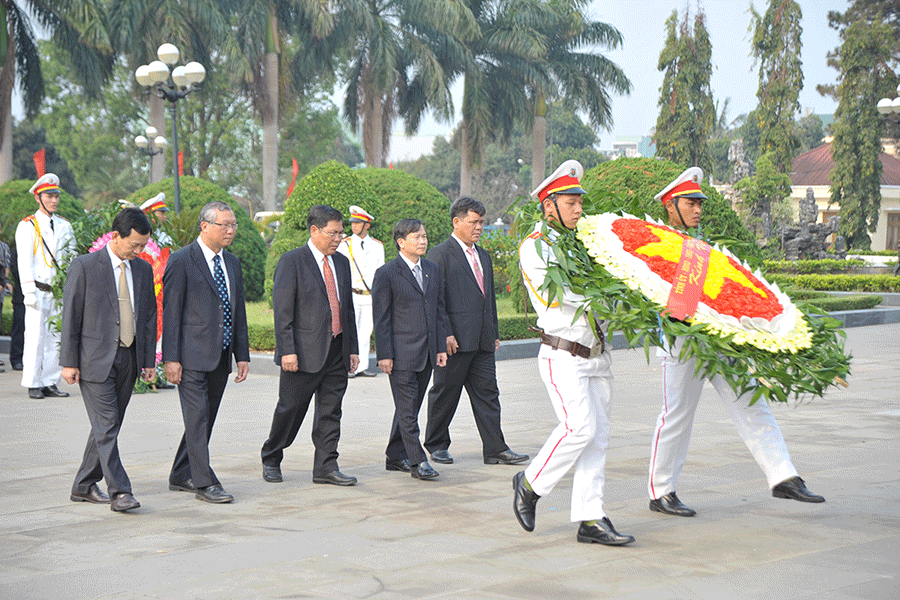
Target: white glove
pixel 30 299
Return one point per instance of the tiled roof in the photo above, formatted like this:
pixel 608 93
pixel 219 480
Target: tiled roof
pixel 813 167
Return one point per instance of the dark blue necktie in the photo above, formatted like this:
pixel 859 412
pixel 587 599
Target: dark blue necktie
pixel 222 289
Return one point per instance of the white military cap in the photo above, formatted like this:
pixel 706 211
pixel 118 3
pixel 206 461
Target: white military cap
pixel 358 215
pixel 566 179
pixel 47 183
pixel 686 185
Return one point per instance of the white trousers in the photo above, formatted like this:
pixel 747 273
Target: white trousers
pixel 580 391
pixel 40 355
pixel 362 308
pixel 681 392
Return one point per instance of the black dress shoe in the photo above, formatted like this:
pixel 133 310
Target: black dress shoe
pixel 795 489
pixel 214 494
pixel 165 386
pixel 272 473
pixel 94 494
pixel 602 532
pixel 51 391
pixel 182 486
pixel 335 478
pixel 17 366
pixel 524 502
pixel 507 457
pixel 442 456
pixel 35 393
pixel 671 505
pixel 422 471
pixel 367 373
pixel 401 464
pixel 124 501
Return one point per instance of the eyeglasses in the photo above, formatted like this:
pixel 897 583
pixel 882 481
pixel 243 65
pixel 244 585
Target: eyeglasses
pixel 227 226
pixel 332 234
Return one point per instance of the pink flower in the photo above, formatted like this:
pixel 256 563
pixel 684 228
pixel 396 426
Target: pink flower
pixel 100 242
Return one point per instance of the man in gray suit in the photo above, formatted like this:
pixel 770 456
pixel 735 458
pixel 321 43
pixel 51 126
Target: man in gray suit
pixel 204 325
pixel 315 344
pixel 108 334
pixel 410 340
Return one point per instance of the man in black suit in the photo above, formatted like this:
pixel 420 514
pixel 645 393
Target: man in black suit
pixel 472 340
pixel 315 344
pixel 410 340
pixel 108 334
pixel 204 325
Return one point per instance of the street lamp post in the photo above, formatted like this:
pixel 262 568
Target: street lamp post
pixel 151 145
pixel 171 83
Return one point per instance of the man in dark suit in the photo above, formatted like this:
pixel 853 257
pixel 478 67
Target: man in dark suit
pixel 108 334
pixel 315 344
pixel 204 325
pixel 410 340
pixel 472 340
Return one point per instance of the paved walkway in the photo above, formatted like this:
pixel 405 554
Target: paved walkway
pixel 392 537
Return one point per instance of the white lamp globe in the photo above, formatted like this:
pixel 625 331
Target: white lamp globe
pixel 142 74
pixel 178 77
pixel 161 142
pixel 141 142
pixel 895 104
pixel 884 106
pixel 158 71
pixel 151 132
pixel 168 53
pixel 194 72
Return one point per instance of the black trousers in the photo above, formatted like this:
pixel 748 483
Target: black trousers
pixel 106 402
pixel 477 373
pixel 200 393
pixel 408 389
pixel 295 392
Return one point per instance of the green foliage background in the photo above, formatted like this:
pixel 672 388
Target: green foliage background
pixel 17 203
pixel 248 245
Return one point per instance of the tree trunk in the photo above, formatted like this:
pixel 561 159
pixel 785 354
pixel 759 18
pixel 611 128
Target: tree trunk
pixel 7 80
pixel 158 120
pixel 373 129
pixel 539 142
pixel 465 163
pixel 270 134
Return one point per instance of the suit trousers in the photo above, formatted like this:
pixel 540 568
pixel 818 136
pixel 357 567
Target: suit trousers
pixel 106 402
pixel 17 331
pixel 40 357
pixel 362 310
pixel 580 391
pixel 477 372
pixel 408 389
pixel 295 391
pixel 200 393
pixel 681 392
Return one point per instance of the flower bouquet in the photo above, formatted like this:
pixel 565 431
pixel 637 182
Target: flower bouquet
pixel 654 283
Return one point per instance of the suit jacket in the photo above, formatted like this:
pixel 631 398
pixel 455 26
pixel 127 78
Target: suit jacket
pixel 90 316
pixel 302 312
pixel 193 315
pixel 410 325
pixel 472 315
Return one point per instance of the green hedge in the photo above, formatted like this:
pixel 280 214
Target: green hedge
pixel 248 245
pixel 16 203
pixel 335 184
pixel 839 283
pixel 834 303
pixel 515 327
pixel 813 266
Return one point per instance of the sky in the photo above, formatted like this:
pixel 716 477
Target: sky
pixel 642 24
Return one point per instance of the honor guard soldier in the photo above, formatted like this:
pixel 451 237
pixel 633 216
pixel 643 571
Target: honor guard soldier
pixel 366 254
pixel 575 365
pixel 756 425
pixel 41 240
pixel 156 209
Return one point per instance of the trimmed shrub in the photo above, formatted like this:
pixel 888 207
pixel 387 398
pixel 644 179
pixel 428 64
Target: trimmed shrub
pixel 813 266
pixel 840 283
pixel 332 183
pixel 286 239
pixel 248 245
pixel 18 203
pixel 404 196
pixel 631 183
pixel 515 327
pixel 835 303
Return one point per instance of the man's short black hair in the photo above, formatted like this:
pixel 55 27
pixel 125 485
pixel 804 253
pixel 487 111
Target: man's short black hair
pixel 404 227
pixel 464 205
pixel 321 215
pixel 131 218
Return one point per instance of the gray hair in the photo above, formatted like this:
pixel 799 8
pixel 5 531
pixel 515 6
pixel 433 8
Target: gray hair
pixel 208 212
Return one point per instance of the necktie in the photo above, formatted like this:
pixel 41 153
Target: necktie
pixel 417 271
pixel 362 244
pixel 479 276
pixel 222 290
pixel 126 314
pixel 51 225
pixel 332 297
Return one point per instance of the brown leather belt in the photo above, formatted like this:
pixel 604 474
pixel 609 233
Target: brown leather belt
pixel 44 287
pixel 362 292
pixel 573 348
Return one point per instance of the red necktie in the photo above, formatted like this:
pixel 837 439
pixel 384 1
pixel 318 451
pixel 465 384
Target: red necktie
pixel 479 277
pixel 332 297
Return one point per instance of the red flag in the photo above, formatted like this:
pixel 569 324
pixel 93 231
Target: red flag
pixel 39 160
pixel 181 164
pixel 296 169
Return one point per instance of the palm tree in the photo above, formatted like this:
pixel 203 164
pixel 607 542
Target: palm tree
pixel 392 62
pixel 78 27
pixel 580 79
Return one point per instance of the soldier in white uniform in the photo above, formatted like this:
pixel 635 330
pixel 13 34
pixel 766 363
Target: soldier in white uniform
pixel 42 239
pixel 575 366
pixel 366 254
pixel 681 392
pixel 156 209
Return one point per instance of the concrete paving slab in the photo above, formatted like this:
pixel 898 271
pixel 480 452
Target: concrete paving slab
pixel 393 537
